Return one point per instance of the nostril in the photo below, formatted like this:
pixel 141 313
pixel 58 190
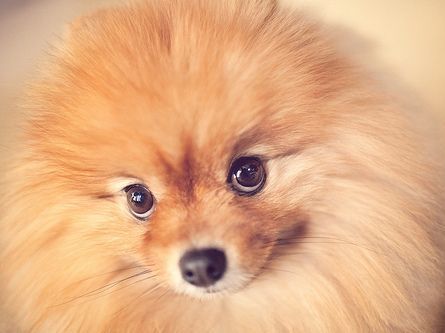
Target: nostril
pixel 203 267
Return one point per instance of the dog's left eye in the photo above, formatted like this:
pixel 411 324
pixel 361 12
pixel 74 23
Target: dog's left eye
pixel 247 175
pixel 140 201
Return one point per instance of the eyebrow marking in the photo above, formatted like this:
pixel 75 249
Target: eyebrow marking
pixel 104 196
pixel 265 147
pixel 109 193
pixel 125 175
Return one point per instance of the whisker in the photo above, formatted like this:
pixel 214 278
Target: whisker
pixel 106 273
pixel 330 240
pixel 103 288
pixel 163 294
pixel 338 242
pixel 278 270
pixel 112 284
pixel 146 292
pixel 122 287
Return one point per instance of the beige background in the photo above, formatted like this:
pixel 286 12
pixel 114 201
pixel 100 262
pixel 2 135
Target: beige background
pixel 407 38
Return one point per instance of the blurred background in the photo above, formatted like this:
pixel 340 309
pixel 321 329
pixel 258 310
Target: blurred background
pixel 407 38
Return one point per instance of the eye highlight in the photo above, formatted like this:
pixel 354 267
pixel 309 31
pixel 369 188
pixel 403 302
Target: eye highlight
pixel 140 200
pixel 246 175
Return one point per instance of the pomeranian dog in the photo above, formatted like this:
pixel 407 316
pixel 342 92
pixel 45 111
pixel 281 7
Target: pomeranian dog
pixel 218 166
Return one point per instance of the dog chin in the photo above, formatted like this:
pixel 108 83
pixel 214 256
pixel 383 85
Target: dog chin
pixel 207 293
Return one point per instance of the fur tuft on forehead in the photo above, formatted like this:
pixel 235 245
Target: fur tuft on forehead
pixel 219 58
pixel 147 83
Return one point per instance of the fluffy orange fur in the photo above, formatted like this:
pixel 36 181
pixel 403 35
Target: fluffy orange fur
pixel 346 235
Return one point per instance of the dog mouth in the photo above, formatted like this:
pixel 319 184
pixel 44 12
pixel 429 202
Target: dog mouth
pixel 205 293
pixel 213 291
pixel 210 271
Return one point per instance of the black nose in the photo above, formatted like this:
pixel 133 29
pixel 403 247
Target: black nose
pixel 203 267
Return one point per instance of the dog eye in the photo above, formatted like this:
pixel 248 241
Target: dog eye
pixel 140 201
pixel 247 175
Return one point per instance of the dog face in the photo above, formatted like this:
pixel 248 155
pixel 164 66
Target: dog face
pixel 182 130
pixel 188 152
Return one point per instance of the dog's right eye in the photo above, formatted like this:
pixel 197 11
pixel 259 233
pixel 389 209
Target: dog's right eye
pixel 140 200
pixel 247 175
